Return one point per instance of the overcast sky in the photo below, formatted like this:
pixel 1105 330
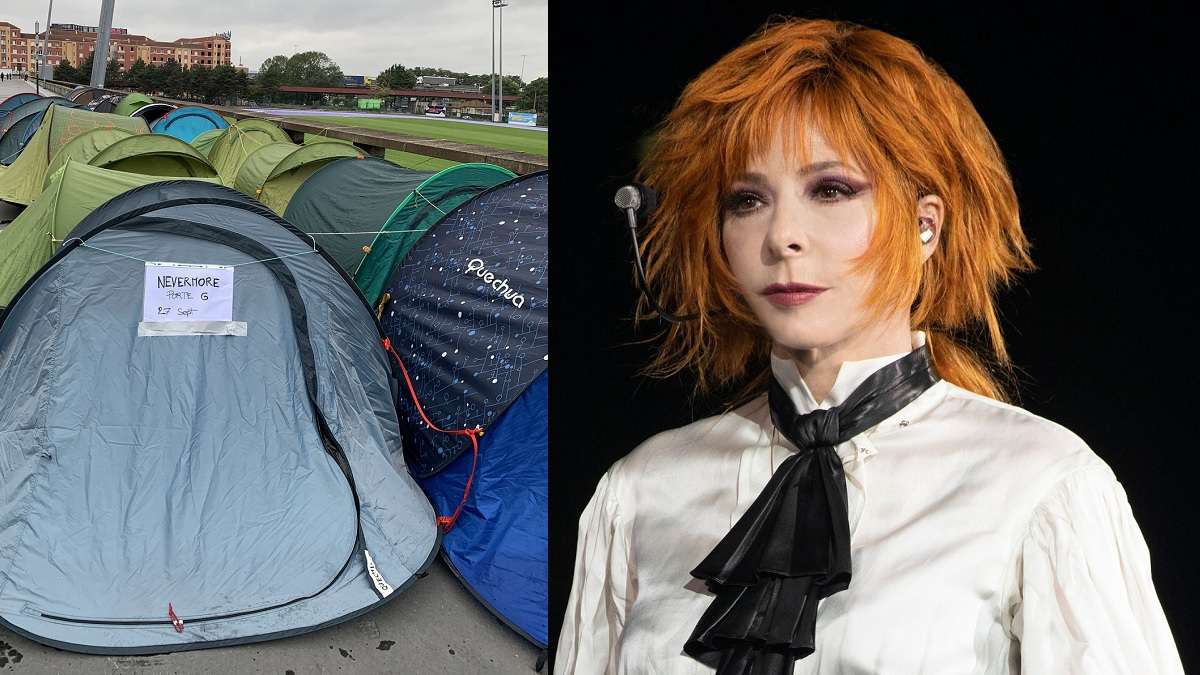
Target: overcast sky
pixel 362 36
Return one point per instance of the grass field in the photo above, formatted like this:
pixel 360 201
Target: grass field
pixel 520 140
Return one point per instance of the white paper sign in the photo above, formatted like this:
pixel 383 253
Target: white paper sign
pixel 194 293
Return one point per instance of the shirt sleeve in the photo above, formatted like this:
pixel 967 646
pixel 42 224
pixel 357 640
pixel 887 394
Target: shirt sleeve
pixel 1087 602
pixel 599 592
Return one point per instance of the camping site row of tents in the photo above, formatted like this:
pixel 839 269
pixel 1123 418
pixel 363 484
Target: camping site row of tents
pixel 204 320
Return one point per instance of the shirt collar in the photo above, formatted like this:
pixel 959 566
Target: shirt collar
pixel 850 375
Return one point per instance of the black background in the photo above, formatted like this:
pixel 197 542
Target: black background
pixel 1094 113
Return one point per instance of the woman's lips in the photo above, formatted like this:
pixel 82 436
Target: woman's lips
pixel 791 295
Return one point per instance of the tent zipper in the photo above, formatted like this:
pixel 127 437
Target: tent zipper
pixel 381 586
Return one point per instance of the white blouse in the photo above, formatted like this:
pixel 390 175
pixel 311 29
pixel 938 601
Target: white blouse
pixel 984 539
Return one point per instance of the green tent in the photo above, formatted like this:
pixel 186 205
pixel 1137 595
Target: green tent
pixel 154 155
pixel 204 142
pixel 84 147
pixel 22 182
pixel 130 103
pixel 273 175
pixel 74 192
pixel 238 142
pixel 425 206
pixel 344 204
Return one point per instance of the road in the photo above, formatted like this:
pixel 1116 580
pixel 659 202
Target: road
pixel 304 112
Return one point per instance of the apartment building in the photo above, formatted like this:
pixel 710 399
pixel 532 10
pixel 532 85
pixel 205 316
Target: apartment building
pixel 73 43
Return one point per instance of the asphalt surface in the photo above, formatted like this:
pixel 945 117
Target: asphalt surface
pixel 435 626
pixel 304 112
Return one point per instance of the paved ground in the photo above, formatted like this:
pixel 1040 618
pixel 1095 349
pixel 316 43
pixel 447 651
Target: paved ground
pixel 310 112
pixel 435 627
pixel 10 87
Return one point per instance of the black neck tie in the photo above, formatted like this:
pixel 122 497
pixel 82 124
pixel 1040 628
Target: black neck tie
pixel 792 547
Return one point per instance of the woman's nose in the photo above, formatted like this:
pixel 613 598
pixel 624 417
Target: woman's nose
pixel 786 235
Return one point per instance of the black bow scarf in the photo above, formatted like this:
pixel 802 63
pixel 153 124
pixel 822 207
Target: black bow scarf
pixel 792 547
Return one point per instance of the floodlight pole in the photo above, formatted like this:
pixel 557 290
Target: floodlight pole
pixel 37 84
pixel 492 77
pixel 500 96
pixel 100 55
pixel 46 41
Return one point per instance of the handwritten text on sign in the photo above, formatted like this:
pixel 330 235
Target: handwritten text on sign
pixel 179 292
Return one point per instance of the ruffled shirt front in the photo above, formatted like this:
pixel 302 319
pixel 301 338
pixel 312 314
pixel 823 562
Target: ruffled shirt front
pixel 985 540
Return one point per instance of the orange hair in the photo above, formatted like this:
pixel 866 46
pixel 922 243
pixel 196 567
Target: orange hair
pixel 877 100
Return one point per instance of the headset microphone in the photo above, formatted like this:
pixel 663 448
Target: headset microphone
pixel 638 199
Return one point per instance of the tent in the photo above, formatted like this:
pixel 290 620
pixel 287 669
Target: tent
pixel 441 193
pixel 205 141
pixel 18 123
pixel 27 108
pixel 154 155
pixel 238 142
pixel 74 191
pixel 132 102
pixel 498 547
pixel 188 122
pixel 16 100
pixel 151 112
pixel 273 172
pixel 214 482
pixel 105 104
pixel 466 312
pixel 348 198
pixel 85 146
pixel 23 181
pixel 84 94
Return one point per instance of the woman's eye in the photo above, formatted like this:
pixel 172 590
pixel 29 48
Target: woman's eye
pixel 830 191
pixel 742 202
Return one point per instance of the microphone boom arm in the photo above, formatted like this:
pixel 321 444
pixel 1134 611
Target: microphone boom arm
pixel 643 285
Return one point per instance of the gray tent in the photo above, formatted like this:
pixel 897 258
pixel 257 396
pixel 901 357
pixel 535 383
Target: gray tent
pixel 171 485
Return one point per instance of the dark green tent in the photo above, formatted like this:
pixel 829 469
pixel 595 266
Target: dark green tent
pixel 347 201
pixel 419 210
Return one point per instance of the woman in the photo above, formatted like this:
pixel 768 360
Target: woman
pixel 831 203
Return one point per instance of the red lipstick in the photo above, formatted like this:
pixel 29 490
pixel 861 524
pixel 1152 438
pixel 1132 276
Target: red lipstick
pixel 791 295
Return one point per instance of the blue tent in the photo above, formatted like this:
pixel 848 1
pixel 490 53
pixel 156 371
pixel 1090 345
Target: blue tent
pixel 213 482
pixel 466 315
pixel 498 545
pixel 12 102
pixel 188 123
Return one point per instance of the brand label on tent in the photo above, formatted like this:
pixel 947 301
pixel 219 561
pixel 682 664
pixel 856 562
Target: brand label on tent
pixel 382 587
pixel 181 294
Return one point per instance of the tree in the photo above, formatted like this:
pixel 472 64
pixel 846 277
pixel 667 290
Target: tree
pixel 312 69
pixel 270 75
pixel 113 77
pixel 83 74
pixel 155 77
pixel 536 97
pixel 396 77
pixel 513 85
pixel 173 80
pixel 65 72
pixel 137 71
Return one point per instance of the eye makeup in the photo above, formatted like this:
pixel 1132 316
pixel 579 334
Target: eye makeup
pixel 745 200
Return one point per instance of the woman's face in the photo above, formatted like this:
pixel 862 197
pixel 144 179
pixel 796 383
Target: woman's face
pixel 785 226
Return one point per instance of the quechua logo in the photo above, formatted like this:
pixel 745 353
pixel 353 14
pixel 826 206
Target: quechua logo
pixel 476 266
